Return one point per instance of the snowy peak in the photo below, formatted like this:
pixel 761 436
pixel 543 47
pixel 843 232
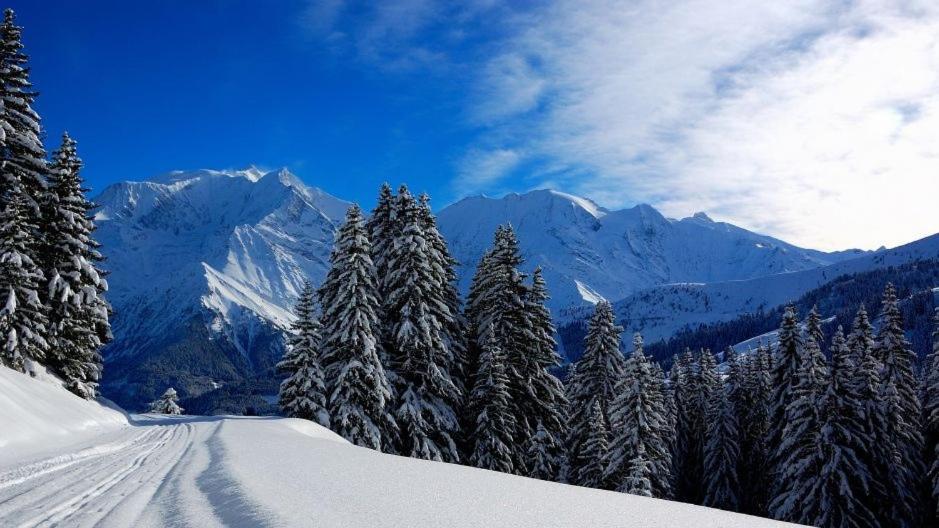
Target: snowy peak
pixel 589 253
pixel 211 261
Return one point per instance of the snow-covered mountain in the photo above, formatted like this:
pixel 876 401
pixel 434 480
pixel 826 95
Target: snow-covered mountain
pixel 205 266
pixel 589 252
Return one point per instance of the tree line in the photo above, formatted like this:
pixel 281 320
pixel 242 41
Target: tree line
pixel 830 432
pixel 52 306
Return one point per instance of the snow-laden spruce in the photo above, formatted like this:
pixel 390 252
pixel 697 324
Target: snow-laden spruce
pixel 591 457
pixel 592 387
pixel 23 325
pixel 722 443
pixel 787 359
pixel 77 311
pixel 753 406
pixel 489 401
pixel 931 418
pixel 167 404
pixel 416 322
pixel 899 395
pixel 357 388
pixel 303 392
pixel 639 460
pixel 502 306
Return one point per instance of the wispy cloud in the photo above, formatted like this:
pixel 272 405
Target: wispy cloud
pixel 485 168
pixel 813 121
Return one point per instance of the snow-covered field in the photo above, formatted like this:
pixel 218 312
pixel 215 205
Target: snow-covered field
pixel 236 471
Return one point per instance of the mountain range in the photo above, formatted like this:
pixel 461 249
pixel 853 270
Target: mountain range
pixel 206 265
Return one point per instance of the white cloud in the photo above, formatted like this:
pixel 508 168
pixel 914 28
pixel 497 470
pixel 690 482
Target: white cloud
pixel 485 168
pixel 817 122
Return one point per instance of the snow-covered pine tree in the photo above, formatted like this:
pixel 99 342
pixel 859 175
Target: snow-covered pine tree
pixel 426 397
pixel 303 392
pixel 77 310
pixel 687 455
pixel 722 449
pixel 357 388
pixel 546 402
pixel 23 154
pixel 786 363
pixel 167 403
pixel 875 454
pixel 798 464
pixel 754 473
pixel 382 229
pixel 931 419
pixel 592 456
pixel 639 426
pixel 543 455
pixel 813 329
pixel 836 495
pixel 492 436
pixel 22 315
pixel 903 413
pixel 454 324
pixel 595 383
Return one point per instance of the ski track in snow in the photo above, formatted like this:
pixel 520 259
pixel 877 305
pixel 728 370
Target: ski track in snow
pixel 157 473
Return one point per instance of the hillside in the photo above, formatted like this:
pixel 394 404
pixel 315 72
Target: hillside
pixel 231 471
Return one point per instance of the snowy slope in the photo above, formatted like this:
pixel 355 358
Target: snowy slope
pixel 589 253
pixel 37 412
pixel 205 266
pixel 276 472
pixel 660 311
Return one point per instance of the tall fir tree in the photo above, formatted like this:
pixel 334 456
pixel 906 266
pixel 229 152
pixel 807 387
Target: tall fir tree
pixel 639 426
pixel 426 396
pixel 492 436
pixel 866 381
pixel 23 324
pixel 722 449
pixel 592 457
pixel 836 495
pixel 22 315
pixel 303 392
pixel 754 418
pixel 931 421
pixel 77 311
pixel 796 455
pixel 358 390
pixel 595 383
pixel 900 398
pixel 546 401
pixel 786 365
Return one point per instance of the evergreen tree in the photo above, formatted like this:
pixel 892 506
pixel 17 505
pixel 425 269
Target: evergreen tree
pixel 167 403
pixel 798 462
pixel 721 450
pixel 874 454
pixel 77 310
pixel 640 451
pixel 22 316
pixel 544 455
pixel 591 458
pixel 492 436
pixel 785 376
pixel 420 356
pixel 755 475
pixel 835 497
pixel 545 402
pixel 689 424
pixel 594 383
pixel 357 388
pixel 903 412
pixel 931 419
pixel 303 392
pixel 382 228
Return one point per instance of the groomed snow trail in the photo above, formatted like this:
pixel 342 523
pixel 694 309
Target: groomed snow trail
pixel 159 472
pixel 206 472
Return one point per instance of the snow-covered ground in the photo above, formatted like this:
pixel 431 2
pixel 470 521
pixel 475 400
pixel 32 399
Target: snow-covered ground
pixel 238 471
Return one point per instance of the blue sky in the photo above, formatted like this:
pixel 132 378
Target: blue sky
pixel 815 121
